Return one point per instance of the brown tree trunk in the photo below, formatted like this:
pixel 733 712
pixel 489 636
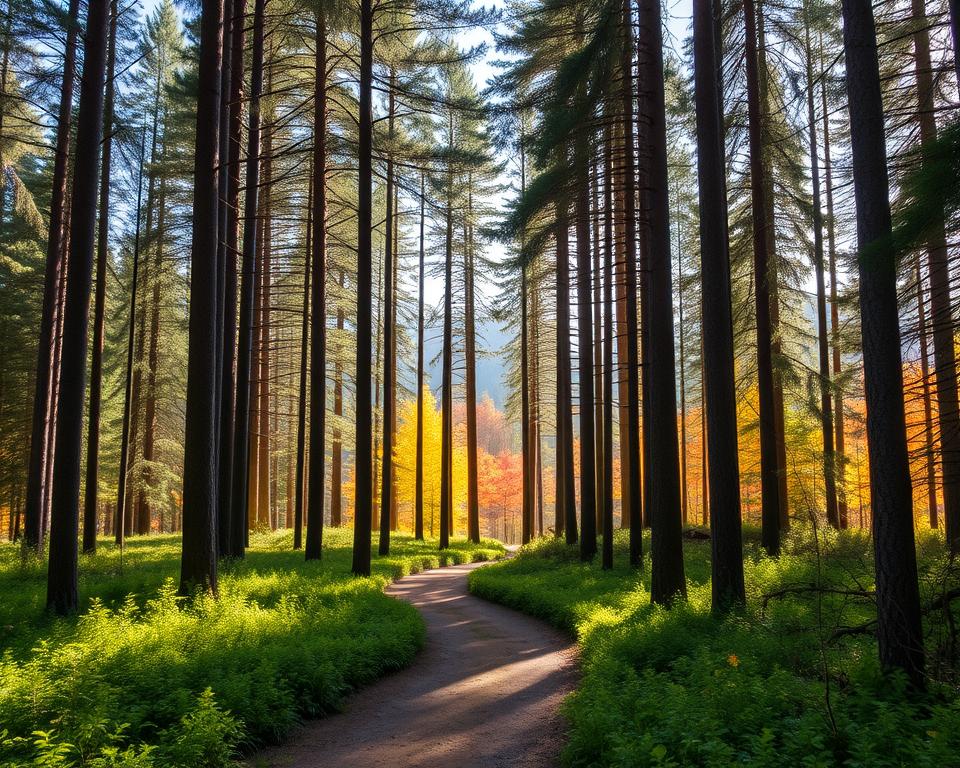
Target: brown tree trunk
pixel 198 567
pixel 40 447
pixel 719 396
pixel 64 511
pixel 898 600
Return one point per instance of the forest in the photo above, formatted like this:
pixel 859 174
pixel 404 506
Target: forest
pixel 530 382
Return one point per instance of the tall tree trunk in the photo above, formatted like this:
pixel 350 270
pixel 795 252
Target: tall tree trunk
pixel 719 389
pixel 336 460
pixel 606 496
pixel 470 341
pixel 770 233
pixel 64 512
pixel 363 467
pixel 248 281
pixel 526 507
pixel 299 484
pixel 682 367
pixel 941 303
pixel 388 338
pixel 588 468
pixel 99 305
pixel 418 479
pixel 597 307
pixel 228 380
pixel 198 566
pixel 566 499
pixel 446 407
pixel 898 599
pixel 120 526
pixel 839 459
pixel 633 509
pixel 667 571
pixel 769 476
pixel 42 403
pixel 264 496
pixel 826 401
pixel 318 319
pixel 253 458
pixel 929 460
pixel 150 409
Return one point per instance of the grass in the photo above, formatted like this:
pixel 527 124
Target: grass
pixel 773 685
pixel 142 677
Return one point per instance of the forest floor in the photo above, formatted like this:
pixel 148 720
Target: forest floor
pixel 791 679
pixel 484 692
pixel 142 678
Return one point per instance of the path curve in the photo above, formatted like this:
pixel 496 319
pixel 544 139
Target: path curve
pixel 484 692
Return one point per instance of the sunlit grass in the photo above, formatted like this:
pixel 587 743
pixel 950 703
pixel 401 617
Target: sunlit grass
pixel 286 640
pixel 685 687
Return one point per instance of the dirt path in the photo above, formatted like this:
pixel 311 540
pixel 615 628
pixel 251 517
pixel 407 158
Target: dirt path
pixel 482 693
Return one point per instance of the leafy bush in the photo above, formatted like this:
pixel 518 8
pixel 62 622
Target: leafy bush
pixel 146 678
pixel 773 685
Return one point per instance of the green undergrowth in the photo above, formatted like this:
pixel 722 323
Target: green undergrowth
pixel 142 677
pixel 792 680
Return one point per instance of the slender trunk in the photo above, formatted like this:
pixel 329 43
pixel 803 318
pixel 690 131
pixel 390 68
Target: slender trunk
pixel 585 336
pixel 363 468
pixel 597 307
pixel 418 481
pixel 839 460
pixel 299 486
pixel 228 378
pixel 120 527
pixel 446 451
pixel 264 496
pixel 336 461
pixel 388 339
pixel 99 304
pixel 42 402
pixel 769 476
pixel 667 574
pixel 248 281
pixel 633 502
pixel 565 492
pixel 607 467
pixel 941 302
pixel 720 396
pixel 150 409
pixel 898 600
pixel 470 341
pixel 927 405
pixel 826 401
pixel 526 512
pixel 682 367
pixel 64 511
pixel 198 567
pixel 318 319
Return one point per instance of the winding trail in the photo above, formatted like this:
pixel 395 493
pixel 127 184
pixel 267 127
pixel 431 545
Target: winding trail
pixel 483 693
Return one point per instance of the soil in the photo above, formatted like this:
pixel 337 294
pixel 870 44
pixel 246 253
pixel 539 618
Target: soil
pixel 484 692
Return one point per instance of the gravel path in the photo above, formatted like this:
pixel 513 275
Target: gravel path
pixel 483 692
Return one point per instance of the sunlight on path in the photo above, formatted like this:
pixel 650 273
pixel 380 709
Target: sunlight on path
pixel 484 692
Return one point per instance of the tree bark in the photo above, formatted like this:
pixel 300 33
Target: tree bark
pixel 632 462
pixel 40 450
pixel 99 305
pixel 363 467
pixel 318 319
pixel 249 277
pixel 418 480
pixel 898 601
pixel 722 491
pixel 941 301
pixel 198 565
pixel 565 492
pixel 64 511
pixel 668 580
